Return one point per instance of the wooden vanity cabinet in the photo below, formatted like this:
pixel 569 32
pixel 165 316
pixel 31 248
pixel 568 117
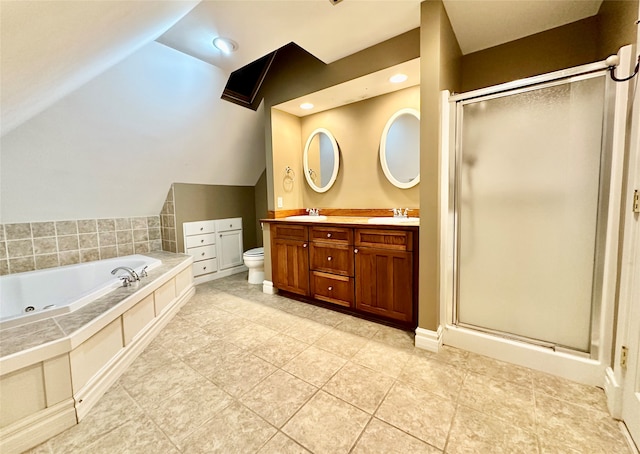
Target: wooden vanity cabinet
pixel 290 258
pixel 384 271
pixel 331 263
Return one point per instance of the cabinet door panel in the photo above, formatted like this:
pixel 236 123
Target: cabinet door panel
pixel 290 265
pixel 384 283
pixel 230 249
pixel 332 258
pixel 332 288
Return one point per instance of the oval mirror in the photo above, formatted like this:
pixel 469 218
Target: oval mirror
pixel 400 148
pixel 321 160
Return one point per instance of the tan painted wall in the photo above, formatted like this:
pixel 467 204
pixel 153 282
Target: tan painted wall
pixel 358 128
pixel 198 202
pixel 261 205
pixel 617 25
pixel 285 137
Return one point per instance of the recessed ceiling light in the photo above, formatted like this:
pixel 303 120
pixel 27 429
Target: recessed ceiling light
pixel 225 45
pixel 396 79
pixel 306 106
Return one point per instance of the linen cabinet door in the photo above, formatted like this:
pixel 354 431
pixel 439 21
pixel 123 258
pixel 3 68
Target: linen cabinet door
pixel 384 283
pixel 290 265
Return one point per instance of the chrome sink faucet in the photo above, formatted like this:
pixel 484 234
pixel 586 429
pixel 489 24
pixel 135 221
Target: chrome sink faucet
pixel 127 280
pixel 313 211
pixel 400 213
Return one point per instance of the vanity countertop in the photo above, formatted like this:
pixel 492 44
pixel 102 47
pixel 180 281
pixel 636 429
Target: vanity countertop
pixel 352 221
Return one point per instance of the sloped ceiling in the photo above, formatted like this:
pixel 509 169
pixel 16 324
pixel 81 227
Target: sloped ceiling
pixel 50 48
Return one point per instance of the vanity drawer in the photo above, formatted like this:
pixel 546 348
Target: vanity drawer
pixel 339 235
pixel 195 228
pixel 222 225
pixel 290 231
pixel 202 252
pixel 399 240
pixel 204 267
pixel 200 240
pixel 332 288
pixel 333 258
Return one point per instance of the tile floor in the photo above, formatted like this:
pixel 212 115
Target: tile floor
pixel 238 371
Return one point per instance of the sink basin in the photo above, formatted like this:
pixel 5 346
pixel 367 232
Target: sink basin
pixel 306 218
pixel 394 221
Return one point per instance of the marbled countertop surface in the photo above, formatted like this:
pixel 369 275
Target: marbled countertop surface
pixel 351 221
pixel 30 335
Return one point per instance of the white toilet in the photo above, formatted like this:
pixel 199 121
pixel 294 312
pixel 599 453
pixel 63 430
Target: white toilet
pixel 254 260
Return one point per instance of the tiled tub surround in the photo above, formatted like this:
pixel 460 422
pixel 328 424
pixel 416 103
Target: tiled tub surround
pixel 39 245
pixel 53 371
pixel 240 371
pixel 168 223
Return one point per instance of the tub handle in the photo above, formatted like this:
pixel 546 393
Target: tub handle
pixel 126 281
pixel 143 272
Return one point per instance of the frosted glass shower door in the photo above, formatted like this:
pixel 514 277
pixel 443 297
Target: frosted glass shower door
pixel 528 171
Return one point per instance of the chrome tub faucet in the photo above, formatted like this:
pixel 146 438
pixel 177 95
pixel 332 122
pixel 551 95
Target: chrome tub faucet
pixel 127 280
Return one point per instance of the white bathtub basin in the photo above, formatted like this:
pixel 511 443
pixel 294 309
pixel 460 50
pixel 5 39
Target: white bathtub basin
pixel 306 218
pixel 389 220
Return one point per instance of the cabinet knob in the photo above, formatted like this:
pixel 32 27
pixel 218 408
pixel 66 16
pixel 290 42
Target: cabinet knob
pixel 230 225
pixel 304 245
pixel 202 241
pixel 221 235
pixel 203 254
pixel 329 258
pixel 201 228
pixel 328 235
pixel 355 251
pixel 204 268
pixel 330 288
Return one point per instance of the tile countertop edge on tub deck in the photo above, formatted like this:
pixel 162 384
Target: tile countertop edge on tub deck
pixel 86 321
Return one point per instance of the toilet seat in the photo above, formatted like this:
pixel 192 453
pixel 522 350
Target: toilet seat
pixel 255 252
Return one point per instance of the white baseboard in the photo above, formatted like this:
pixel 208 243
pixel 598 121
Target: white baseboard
pixel 268 288
pixel 37 428
pixel 95 388
pixel 428 340
pixel 613 391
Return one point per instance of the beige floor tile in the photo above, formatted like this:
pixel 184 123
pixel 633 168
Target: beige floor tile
pixel 280 349
pixel 226 325
pixel 451 355
pixel 153 358
pixel 182 413
pixel 307 331
pixel 499 369
pixel 161 384
pixel 381 438
pixel 250 336
pixel 278 397
pixel 359 386
pixel 382 358
pixel 584 429
pixel 475 432
pixel 139 436
pixel 503 399
pixel 576 393
pixel 235 429
pixel 395 337
pixel 327 425
pixel 358 326
pixel 208 359
pixel 278 321
pixel 434 376
pixel 326 316
pixel 182 337
pixel 341 343
pixel 314 366
pixel 422 414
pixel 281 444
pixel 238 374
pixel 114 409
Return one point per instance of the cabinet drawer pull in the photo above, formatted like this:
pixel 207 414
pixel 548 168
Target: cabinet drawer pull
pixel 201 228
pixel 204 268
pixel 355 251
pixel 330 288
pixel 304 245
pixel 328 235
pixel 203 254
pixel 329 258
pixel 202 241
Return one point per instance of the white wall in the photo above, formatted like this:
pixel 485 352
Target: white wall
pixel 112 147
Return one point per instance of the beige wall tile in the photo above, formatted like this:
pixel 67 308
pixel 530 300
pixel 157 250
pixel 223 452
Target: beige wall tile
pixel 123 224
pixel 45 245
pixel 69 257
pixel 88 240
pixel 107 238
pixel 17 231
pixel 140 235
pixel 46 261
pixel 141 248
pixel 124 237
pixel 125 249
pixel 41 229
pixel 87 226
pixel 154 234
pixel 19 248
pixel 153 221
pixel 2 236
pixel 67 243
pixel 106 225
pixel 155 245
pixel 139 223
pixel 108 252
pixel 3 250
pixel 4 267
pixel 20 265
pixel 67 227
pixel 89 255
